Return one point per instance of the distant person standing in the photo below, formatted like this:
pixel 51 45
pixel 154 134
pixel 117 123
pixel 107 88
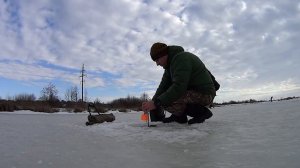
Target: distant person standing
pixel 271 100
pixel 186 88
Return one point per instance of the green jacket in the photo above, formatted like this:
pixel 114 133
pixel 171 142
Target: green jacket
pixel 184 71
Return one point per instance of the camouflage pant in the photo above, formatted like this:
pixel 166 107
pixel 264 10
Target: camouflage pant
pixel 190 97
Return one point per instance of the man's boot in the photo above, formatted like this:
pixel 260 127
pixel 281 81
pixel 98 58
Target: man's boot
pixel 157 114
pixel 198 112
pixel 173 118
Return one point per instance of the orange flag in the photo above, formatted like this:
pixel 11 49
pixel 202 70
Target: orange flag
pixel 145 117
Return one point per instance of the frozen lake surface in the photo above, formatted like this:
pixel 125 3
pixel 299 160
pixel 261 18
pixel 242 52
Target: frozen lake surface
pixel 264 135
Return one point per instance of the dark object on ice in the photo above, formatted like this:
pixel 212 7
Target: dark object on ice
pixel 99 118
pixel 198 112
pixel 173 118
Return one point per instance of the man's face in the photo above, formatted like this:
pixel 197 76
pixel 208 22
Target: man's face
pixel 162 61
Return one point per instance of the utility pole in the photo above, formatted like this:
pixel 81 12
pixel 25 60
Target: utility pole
pixel 82 75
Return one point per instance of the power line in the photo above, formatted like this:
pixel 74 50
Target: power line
pixel 82 75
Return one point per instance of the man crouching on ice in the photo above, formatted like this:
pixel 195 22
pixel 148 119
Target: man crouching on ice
pixel 185 89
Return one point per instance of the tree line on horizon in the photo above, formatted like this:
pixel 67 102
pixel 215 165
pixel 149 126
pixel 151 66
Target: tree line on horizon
pixel 50 102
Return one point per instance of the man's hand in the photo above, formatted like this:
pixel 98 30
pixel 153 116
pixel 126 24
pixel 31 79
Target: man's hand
pixel 148 105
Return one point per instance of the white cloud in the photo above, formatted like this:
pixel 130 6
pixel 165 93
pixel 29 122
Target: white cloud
pixel 243 6
pixel 35 73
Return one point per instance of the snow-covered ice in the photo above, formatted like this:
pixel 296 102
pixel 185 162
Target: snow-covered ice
pixel 246 136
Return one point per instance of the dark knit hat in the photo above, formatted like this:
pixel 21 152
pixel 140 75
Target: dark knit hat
pixel 158 50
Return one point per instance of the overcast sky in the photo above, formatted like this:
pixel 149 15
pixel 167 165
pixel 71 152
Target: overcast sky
pixel 251 46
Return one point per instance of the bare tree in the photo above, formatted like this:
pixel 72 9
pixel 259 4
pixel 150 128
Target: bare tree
pixel 97 101
pixel 144 97
pixel 25 97
pixel 85 96
pixel 49 93
pixel 72 94
pixel 8 97
pixel 68 95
